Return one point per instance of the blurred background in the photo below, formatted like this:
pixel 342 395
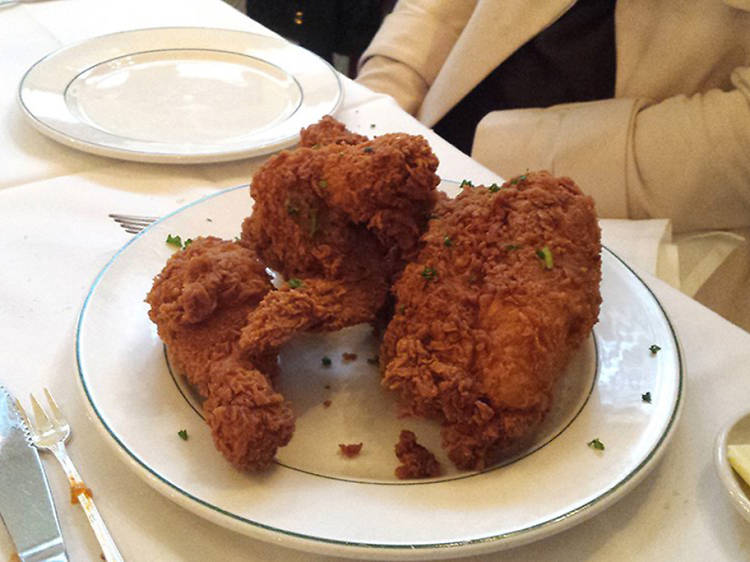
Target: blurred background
pixel 336 30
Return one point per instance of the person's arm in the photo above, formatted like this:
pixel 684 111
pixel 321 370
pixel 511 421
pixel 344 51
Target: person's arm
pixel 414 40
pixel 686 158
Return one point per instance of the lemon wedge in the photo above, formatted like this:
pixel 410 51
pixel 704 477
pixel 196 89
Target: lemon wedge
pixel 739 458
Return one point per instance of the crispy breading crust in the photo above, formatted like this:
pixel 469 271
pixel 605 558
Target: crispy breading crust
pixel 342 220
pixel 199 302
pixel 486 318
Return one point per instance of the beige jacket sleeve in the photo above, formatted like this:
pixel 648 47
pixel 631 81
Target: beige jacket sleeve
pixel 411 46
pixel 687 158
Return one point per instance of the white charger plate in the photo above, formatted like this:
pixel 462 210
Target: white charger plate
pixel 179 95
pixel 314 499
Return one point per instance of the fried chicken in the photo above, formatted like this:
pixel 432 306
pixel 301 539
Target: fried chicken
pixel 416 460
pixel 199 303
pixel 328 131
pixel 341 221
pixel 504 289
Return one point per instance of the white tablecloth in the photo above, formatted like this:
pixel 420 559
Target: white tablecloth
pixel 55 236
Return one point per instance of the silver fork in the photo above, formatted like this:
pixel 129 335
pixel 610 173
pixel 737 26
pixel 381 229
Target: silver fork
pixel 50 431
pixel 132 223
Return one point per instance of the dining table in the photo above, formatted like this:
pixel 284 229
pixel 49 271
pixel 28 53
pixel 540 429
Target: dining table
pixel 56 235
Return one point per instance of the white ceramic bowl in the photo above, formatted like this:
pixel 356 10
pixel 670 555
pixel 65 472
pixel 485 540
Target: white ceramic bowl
pixel 734 433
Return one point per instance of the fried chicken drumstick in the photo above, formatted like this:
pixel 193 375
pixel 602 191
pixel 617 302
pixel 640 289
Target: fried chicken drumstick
pixel 504 289
pixel 199 303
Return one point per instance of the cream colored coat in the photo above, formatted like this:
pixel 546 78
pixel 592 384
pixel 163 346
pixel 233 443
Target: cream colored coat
pixel 675 140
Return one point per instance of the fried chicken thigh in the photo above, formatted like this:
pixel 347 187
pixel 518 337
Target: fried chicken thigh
pixel 504 289
pixel 340 221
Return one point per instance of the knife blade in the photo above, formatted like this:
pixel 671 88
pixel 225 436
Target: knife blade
pixel 26 504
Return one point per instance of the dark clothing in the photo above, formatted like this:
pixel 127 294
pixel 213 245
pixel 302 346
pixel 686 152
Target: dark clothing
pixel 322 26
pixel 572 60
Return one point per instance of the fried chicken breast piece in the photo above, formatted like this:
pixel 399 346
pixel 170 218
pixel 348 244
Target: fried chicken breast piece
pixel 341 220
pixel 504 289
pixel 199 302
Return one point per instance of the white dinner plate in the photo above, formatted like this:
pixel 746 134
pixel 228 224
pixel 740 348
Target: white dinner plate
pixel 179 95
pixel 316 499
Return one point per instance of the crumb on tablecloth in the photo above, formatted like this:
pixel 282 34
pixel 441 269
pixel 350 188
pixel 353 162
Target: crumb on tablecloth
pixel 416 460
pixel 351 450
pixel 326 403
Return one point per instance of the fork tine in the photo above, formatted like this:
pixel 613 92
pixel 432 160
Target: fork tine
pixel 57 415
pixel 42 421
pixel 132 223
pixel 23 414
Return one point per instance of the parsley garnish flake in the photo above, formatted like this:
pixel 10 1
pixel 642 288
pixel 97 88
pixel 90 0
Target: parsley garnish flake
pixel 545 254
pixel 177 241
pixel 429 273
pixel 174 240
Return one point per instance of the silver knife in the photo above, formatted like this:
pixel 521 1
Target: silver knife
pixel 26 504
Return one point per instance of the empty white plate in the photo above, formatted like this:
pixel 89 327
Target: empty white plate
pixel 179 95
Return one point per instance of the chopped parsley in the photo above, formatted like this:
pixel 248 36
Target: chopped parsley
pixel 515 181
pixel 174 240
pixel 545 254
pixel 372 125
pixel 511 247
pixel 183 434
pixel 401 308
pixel 177 241
pixel 429 273
pixel 323 184
pixel 447 241
pixel 466 183
pixel 654 349
pixel 368 149
pixel 294 283
pixel 646 397
pixel 596 444
pixel 326 361
pixel 292 210
pixel 494 188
